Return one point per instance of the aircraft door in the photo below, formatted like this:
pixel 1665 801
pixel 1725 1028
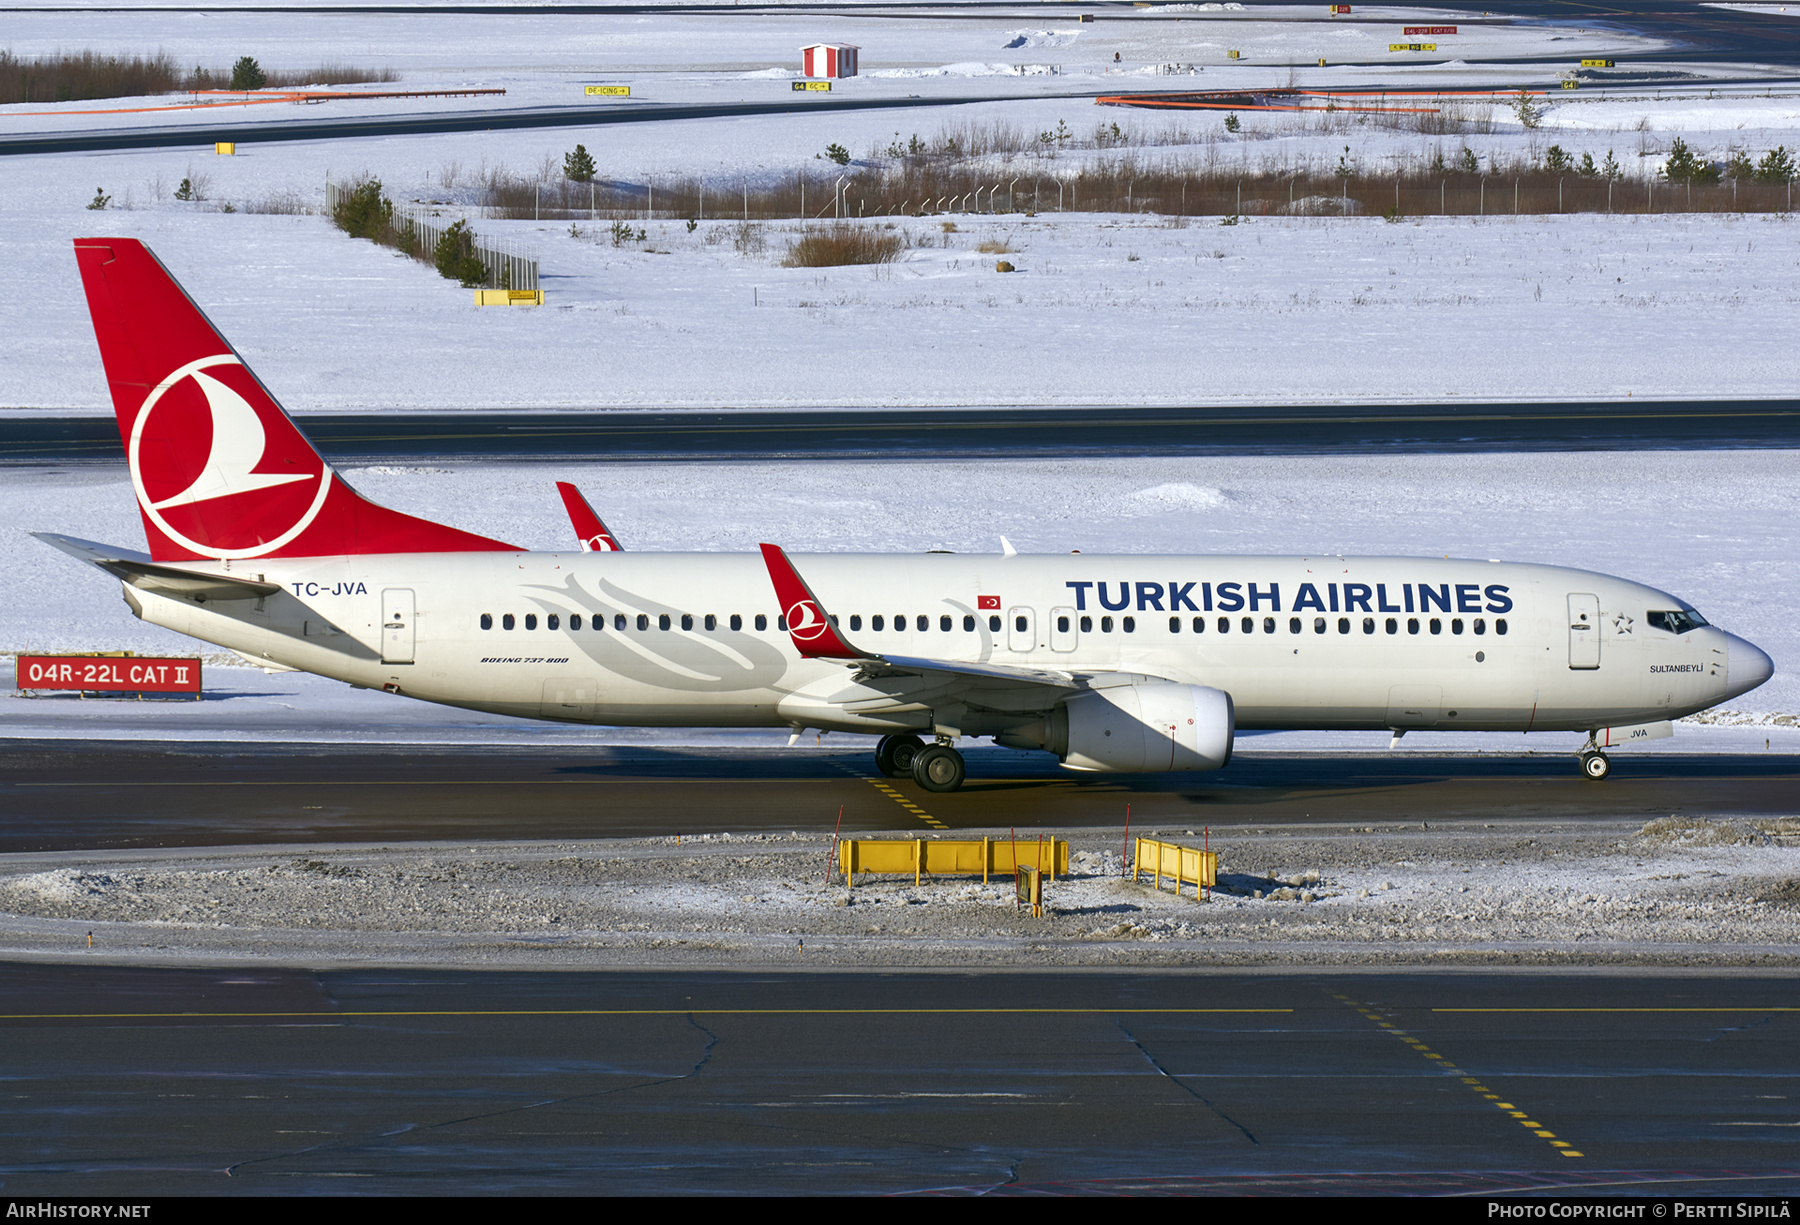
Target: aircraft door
pixel 1584 631
pixel 1063 634
pixel 1021 629
pixel 397 625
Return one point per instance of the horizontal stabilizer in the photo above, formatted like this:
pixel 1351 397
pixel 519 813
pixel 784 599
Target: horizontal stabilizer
pixel 139 571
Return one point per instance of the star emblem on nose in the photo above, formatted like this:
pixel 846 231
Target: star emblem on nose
pixel 1621 623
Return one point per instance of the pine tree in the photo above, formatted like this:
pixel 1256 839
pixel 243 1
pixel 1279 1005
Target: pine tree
pixel 247 74
pixel 578 165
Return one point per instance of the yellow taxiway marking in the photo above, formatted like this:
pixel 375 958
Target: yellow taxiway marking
pixel 638 1012
pixel 1473 1082
pixel 893 793
pixel 1697 1008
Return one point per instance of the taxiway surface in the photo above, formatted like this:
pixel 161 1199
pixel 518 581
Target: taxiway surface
pixel 67 795
pixel 268 1081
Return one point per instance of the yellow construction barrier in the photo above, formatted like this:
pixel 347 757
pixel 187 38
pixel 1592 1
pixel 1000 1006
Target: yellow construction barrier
pixel 923 857
pixel 509 297
pixel 224 148
pixel 1184 865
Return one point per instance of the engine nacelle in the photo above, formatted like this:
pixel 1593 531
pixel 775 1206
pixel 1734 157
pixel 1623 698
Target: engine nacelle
pixel 1157 725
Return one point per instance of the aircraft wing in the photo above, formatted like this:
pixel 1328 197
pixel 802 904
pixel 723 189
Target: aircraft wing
pixel 816 636
pixel 594 535
pixel 139 571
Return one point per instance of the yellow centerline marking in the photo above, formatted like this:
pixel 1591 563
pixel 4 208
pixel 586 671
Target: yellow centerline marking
pixel 895 794
pixel 1699 1008
pixel 1475 1085
pixel 638 1012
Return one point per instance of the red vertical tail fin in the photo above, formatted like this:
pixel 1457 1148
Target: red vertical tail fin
pixel 219 468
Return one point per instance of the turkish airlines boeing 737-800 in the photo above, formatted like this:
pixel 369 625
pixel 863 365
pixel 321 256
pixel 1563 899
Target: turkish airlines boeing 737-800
pixel 1126 663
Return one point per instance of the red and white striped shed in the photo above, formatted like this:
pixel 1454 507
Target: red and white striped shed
pixel 829 60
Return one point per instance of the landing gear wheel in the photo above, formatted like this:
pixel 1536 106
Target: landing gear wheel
pixel 938 768
pixel 1596 765
pixel 894 755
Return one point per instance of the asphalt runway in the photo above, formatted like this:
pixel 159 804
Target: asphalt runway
pixel 260 1081
pixel 989 432
pixel 66 795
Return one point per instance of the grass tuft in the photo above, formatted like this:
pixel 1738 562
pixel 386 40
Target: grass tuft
pixel 843 245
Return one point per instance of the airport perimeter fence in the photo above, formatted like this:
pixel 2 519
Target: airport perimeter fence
pixel 507 264
pixel 1128 186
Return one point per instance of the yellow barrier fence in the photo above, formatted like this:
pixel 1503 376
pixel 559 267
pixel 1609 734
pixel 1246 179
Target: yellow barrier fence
pixel 923 857
pixel 509 297
pixel 1184 865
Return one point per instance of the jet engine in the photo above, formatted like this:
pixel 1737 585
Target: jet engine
pixel 1140 728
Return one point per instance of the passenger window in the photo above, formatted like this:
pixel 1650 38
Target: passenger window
pixel 712 623
pixel 968 623
pixel 1087 624
pixel 618 621
pixel 1343 625
pixel 643 621
pixel 762 622
pixel 487 621
pixel 1500 626
pixel 687 621
pixel 1174 625
pixel 1249 625
pixel 1062 625
pixel 1480 626
pixel 1129 624
pixel 877 623
pixel 1412 625
pixel 1293 625
pixel 1318 625
pixel 781 622
pixel 1020 624
pixel 552 622
pixel 945 624
pixel 1106 625
pixel 506 621
pixel 1393 626
pixel 1437 625
pixel 530 621
pixel 855 621
pixel 1456 625
pixel 923 623
pixel 737 622
pixel 994 624
pixel 1268 625
pixel 1368 625
pixel 1224 625
pixel 1199 625
pixel 574 621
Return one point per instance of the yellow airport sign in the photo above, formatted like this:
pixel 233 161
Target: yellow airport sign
pixel 812 87
pixel 1597 64
pixel 1412 46
pixel 608 91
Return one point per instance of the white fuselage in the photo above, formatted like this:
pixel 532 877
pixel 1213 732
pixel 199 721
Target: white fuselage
pixel 1323 642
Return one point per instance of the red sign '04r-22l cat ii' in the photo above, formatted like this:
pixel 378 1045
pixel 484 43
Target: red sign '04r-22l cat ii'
pixel 1122 663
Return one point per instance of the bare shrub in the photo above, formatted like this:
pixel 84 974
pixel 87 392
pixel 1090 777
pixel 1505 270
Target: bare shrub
pixel 995 246
pixel 842 244
pixel 83 76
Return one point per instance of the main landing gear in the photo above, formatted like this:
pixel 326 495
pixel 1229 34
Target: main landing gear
pixel 935 767
pixel 1594 764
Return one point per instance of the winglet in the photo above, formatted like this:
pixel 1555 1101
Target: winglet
pixel 808 624
pixel 594 536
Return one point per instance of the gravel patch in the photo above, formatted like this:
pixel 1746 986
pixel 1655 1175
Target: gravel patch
pixel 1674 891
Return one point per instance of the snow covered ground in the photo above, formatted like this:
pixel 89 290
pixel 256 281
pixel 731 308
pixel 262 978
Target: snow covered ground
pixel 1712 527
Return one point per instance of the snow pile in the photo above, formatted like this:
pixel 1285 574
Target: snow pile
pixel 1040 38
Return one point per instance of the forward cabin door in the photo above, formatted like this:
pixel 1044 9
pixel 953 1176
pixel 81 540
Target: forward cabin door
pixel 397 625
pixel 1584 631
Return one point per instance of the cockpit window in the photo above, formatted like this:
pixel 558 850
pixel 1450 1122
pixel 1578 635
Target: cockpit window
pixel 1678 621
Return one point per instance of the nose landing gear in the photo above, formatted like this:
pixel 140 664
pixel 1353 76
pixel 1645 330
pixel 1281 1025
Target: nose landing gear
pixel 1594 764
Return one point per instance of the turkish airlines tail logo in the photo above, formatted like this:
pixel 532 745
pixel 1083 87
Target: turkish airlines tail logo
pixel 221 471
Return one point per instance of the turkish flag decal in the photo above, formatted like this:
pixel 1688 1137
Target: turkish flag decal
pixel 987 601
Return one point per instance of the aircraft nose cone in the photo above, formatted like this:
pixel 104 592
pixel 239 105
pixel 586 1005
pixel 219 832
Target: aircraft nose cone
pixel 1746 667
